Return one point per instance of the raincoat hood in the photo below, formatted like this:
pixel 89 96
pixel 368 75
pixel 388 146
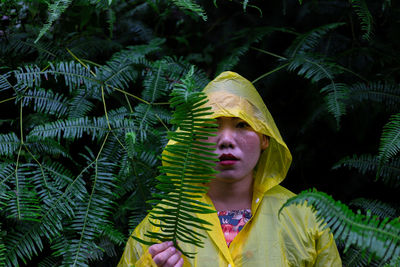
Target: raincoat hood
pixel 231 95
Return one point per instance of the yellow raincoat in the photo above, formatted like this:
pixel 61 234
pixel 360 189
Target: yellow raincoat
pixel 292 239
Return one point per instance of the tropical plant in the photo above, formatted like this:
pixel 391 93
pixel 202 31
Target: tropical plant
pixel 188 169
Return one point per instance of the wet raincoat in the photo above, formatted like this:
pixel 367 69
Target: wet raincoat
pixel 295 238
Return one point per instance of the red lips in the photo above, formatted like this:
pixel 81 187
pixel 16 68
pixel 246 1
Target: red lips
pixel 227 159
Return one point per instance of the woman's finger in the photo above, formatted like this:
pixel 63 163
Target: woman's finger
pixel 174 259
pixel 179 263
pixel 161 258
pixel 158 248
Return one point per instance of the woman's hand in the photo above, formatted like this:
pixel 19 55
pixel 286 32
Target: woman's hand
pixel 166 255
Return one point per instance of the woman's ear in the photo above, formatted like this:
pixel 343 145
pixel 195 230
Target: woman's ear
pixel 264 142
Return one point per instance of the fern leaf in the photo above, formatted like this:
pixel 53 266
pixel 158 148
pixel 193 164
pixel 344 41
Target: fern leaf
pixel 176 207
pixel 376 207
pixel 25 243
pixel 9 143
pixel 55 10
pixel 390 171
pixel 2 249
pixel 308 41
pixel 191 6
pixel 335 95
pixel 91 214
pixel 80 105
pixel 46 102
pixel 4 83
pixel 314 67
pixel 361 9
pixel 382 92
pixel 390 141
pixel 75 75
pixel 71 129
pixel 24 202
pixel 367 232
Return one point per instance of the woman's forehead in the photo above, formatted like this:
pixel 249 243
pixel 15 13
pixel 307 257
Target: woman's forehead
pixel 228 118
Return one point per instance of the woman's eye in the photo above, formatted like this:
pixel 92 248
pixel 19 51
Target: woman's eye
pixel 242 124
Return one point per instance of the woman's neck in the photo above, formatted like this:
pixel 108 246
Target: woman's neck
pixel 231 195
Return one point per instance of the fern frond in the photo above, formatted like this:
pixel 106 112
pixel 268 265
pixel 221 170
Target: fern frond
pixel 192 7
pixel 365 17
pixel 335 95
pixel 390 172
pixel 4 83
pixel 55 10
pixel 23 203
pixel 367 232
pixel 91 214
pixel 46 101
pixel 9 143
pixel 358 258
pixel 80 105
pixel 231 61
pixel 314 67
pixel 390 141
pixel 2 249
pixel 22 246
pixel 381 91
pixel 306 42
pixel 74 74
pixel 71 129
pixel 376 207
pixel 24 243
pixel 188 167
pixel 146 117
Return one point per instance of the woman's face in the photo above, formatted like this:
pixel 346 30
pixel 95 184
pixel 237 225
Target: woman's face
pixel 238 148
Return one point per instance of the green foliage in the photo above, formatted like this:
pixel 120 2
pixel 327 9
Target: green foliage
pixel 361 8
pixel 187 167
pixel 55 10
pixel 390 141
pixel 92 94
pixel 367 231
pixel 192 7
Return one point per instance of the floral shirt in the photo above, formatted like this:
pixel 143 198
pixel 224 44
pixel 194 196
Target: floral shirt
pixel 232 221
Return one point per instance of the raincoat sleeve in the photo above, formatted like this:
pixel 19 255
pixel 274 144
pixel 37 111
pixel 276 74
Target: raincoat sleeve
pixel 327 253
pixel 135 253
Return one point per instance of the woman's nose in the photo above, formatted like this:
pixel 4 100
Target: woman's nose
pixel 226 138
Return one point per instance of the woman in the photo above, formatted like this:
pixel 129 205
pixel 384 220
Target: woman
pixel 246 193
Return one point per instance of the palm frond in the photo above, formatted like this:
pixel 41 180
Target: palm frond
pixel 306 42
pixel 46 101
pixel 188 167
pixel 390 141
pixel 381 92
pixel 192 7
pixel 55 10
pixel 367 232
pixel 365 17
